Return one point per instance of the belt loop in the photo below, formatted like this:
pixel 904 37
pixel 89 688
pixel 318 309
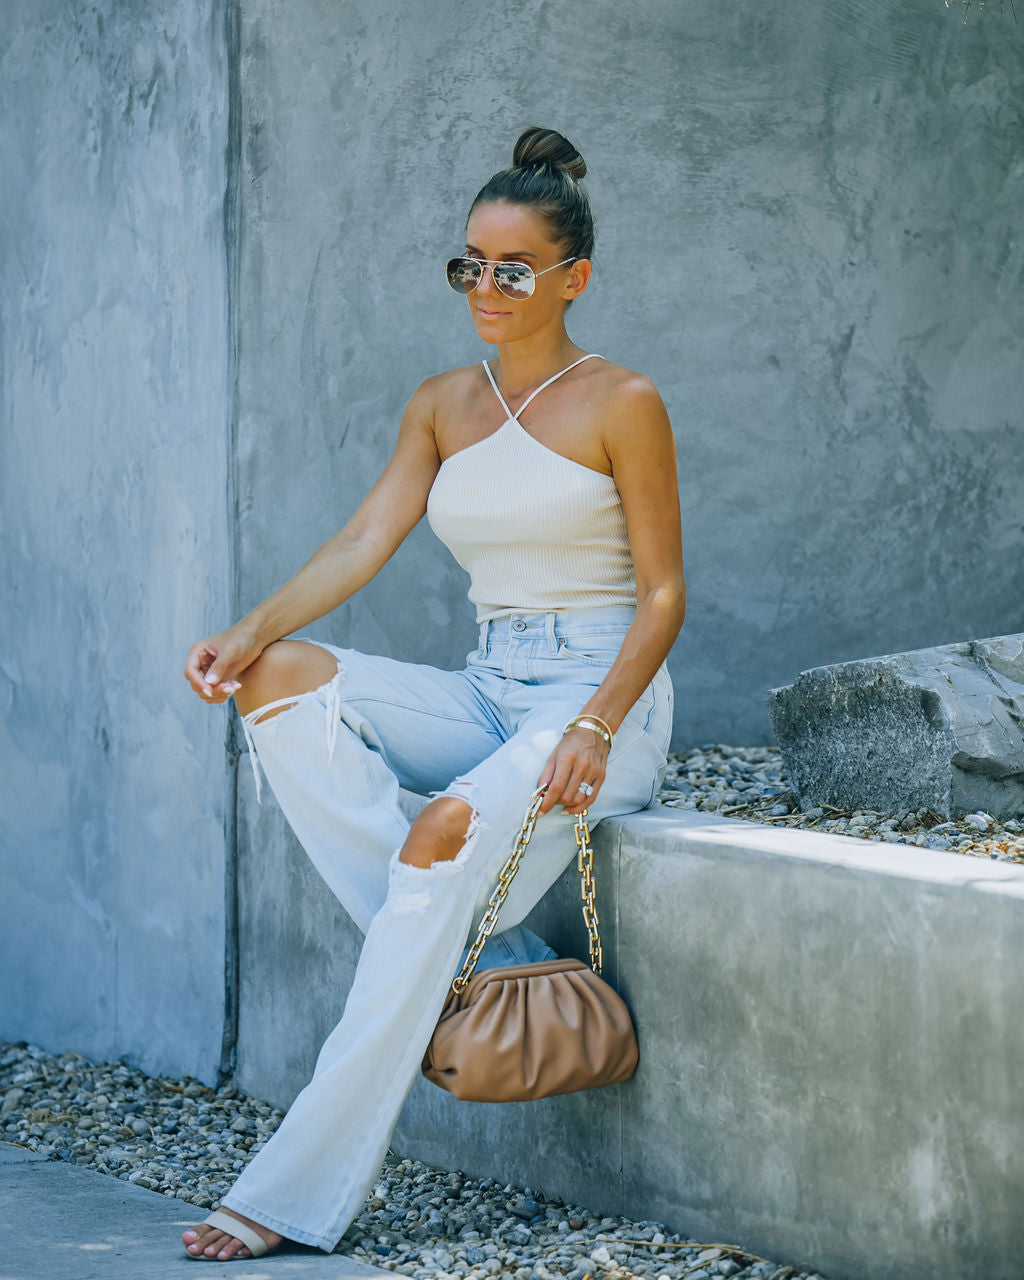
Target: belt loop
pixel 484 646
pixel 549 632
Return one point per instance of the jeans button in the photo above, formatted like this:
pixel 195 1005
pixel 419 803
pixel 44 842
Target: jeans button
pixel 519 625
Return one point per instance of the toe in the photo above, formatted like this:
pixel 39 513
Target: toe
pixel 214 1243
pixel 196 1239
pixel 233 1249
pixel 195 1234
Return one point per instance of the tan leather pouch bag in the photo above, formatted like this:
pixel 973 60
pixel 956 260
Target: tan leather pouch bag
pixel 520 1032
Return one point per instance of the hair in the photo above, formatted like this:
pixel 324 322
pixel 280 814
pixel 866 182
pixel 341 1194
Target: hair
pixel 545 176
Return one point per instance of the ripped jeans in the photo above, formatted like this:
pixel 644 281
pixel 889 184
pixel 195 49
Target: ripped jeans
pixel 335 760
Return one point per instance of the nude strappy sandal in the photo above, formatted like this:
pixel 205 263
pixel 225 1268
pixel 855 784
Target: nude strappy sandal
pixel 252 1240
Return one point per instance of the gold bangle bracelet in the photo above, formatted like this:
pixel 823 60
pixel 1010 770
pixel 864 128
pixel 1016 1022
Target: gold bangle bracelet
pixel 594 723
pixel 603 723
pixel 587 715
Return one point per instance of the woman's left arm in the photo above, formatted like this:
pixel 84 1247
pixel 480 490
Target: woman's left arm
pixel 642 451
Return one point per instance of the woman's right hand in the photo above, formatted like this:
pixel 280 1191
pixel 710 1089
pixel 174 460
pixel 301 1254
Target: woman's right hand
pixel 213 664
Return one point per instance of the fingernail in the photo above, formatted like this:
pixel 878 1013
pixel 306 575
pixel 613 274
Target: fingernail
pixel 206 692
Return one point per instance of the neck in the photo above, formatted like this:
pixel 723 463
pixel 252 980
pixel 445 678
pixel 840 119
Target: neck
pixel 530 361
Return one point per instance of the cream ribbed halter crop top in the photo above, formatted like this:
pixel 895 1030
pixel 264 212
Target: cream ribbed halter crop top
pixel 534 530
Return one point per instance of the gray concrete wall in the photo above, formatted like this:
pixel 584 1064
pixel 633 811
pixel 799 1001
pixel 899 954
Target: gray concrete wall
pixel 829 1029
pixel 113 526
pixel 806 224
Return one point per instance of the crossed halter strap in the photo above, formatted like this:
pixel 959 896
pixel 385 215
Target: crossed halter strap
pixel 533 394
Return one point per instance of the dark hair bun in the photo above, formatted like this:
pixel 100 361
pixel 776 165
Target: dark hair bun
pixel 544 146
pixel 545 174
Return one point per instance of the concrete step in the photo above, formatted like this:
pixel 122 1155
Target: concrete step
pixel 59 1222
pixel 63 1223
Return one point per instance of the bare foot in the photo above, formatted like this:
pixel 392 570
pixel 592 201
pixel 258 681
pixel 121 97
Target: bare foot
pixel 206 1241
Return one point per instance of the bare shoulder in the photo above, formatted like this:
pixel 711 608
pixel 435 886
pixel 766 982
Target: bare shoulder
pixel 625 388
pixel 436 395
pixel 631 406
pixel 452 383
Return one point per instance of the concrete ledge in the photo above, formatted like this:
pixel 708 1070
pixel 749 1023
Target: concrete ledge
pixel 829 1034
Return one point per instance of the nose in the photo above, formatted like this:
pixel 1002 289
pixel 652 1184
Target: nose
pixel 487 284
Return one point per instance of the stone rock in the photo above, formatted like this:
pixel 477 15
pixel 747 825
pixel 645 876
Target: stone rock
pixel 524 1208
pixel 941 729
pixel 12 1101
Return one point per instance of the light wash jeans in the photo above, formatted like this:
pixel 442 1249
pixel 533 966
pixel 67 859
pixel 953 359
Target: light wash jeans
pixel 335 760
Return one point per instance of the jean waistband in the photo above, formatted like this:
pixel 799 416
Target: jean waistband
pixel 526 626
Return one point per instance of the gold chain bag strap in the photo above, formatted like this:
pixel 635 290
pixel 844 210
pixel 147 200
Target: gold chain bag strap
pixel 528 1031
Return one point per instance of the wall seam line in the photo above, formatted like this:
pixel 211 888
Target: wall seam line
pixel 232 747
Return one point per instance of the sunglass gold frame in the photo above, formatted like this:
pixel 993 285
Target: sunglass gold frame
pixel 456 264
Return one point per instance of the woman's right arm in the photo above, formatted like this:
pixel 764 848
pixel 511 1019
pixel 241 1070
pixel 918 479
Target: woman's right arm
pixel 336 570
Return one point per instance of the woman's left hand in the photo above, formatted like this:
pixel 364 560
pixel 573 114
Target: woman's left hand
pixel 580 757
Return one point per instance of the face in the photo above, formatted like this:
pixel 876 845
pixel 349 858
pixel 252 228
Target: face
pixel 510 232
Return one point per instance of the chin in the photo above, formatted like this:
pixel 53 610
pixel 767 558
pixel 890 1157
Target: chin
pixel 490 327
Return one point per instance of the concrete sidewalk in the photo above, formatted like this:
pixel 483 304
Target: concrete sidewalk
pixel 81 1225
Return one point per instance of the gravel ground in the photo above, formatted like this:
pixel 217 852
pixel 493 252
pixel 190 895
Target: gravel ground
pixel 188 1141
pixel 749 782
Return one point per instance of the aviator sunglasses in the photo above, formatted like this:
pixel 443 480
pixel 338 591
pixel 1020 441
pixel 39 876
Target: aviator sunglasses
pixel 515 280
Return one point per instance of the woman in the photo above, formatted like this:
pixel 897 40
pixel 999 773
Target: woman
pixel 550 474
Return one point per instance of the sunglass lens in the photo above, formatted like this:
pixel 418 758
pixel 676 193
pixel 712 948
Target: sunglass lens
pixel 463 274
pixel 514 279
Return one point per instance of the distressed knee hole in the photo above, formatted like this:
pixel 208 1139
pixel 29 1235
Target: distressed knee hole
pixel 442 832
pixel 413 884
pixel 267 717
